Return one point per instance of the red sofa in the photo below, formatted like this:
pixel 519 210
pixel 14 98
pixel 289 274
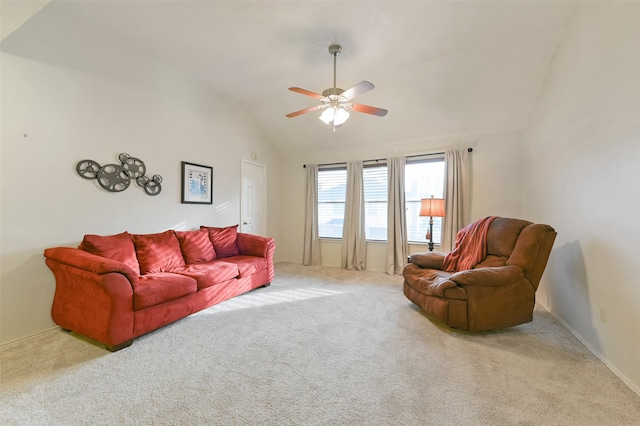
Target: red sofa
pixel 115 288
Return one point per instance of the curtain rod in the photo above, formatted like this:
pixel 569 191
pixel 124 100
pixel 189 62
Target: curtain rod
pixel 383 159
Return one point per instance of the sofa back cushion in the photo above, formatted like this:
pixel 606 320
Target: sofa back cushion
pixel 116 247
pixel 223 240
pixel 196 246
pixel 158 252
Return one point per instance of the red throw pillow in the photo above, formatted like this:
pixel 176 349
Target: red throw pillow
pixel 117 247
pixel 158 252
pixel 223 240
pixel 196 246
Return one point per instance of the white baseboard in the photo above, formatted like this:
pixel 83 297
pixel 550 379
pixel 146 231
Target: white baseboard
pixel 593 351
pixel 296 261
pixel 48 330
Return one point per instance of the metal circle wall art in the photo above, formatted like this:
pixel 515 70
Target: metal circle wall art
pixel 117 177
pixel 88 169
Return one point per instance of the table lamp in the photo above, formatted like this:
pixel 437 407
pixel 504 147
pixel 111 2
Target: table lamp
pixel 432 207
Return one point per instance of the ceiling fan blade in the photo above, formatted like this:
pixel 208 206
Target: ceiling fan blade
pixel 304 111
pixel 369 109
pixel 306 92
pixel 357 90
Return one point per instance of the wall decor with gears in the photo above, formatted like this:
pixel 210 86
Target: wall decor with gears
pixel 117 177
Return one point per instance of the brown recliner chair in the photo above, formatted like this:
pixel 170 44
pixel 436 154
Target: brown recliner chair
pixel 496 293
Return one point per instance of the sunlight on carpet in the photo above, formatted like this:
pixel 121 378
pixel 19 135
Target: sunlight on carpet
pixel 253 300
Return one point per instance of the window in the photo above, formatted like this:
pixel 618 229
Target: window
pixel 376 188
pixel 423 178
pixel 332 193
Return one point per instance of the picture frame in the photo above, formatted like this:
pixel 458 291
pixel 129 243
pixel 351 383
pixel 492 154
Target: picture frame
pixel 197 183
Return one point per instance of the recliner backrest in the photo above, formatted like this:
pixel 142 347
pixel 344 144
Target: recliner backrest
pixel 519 242
pixel 503 234
pixel 532 251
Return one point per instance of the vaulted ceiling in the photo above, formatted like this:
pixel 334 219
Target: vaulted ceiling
pixel 441 68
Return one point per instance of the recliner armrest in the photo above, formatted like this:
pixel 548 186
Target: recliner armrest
pixel 488 277
pixel 428 260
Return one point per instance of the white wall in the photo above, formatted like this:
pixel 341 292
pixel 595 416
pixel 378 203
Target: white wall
pixel 583 177
pixel 496 163
pixel 68 94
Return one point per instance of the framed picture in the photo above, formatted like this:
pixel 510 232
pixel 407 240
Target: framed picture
pixel 196 184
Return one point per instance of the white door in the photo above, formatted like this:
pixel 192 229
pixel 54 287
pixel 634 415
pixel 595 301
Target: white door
pixel 253 204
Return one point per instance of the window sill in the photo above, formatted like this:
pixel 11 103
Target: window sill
pixel 378 242
pixel 339 240
pixel 330 240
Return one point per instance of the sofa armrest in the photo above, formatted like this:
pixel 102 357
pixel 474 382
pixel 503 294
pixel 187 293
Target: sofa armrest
pixel 488 277
pixel 255 245
pixel 93 295
pixel 90 262
pixel 428 260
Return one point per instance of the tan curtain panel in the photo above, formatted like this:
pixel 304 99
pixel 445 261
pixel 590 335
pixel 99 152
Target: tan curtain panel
pixel 354 243
pixel 311 249
pixel 456 195
pixel 397 246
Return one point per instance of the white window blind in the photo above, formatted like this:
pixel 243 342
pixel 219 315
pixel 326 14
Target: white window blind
pixel 375 202
pixel 332 193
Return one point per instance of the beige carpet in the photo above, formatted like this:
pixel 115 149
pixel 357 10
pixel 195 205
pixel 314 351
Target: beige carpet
pixel 321 346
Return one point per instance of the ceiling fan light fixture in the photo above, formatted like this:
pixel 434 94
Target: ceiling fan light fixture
pixel 340 116
pixel 336 115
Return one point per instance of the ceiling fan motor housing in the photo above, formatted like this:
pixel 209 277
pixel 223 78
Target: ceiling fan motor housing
pixel 332 91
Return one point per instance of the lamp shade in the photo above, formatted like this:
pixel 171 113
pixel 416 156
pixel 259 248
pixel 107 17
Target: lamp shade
pixel 432 207
pixel 327 115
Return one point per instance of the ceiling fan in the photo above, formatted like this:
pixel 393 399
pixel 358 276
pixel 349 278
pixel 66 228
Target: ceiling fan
pixel 336 102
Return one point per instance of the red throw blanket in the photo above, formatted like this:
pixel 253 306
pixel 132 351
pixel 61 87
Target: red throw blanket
pixel 470 247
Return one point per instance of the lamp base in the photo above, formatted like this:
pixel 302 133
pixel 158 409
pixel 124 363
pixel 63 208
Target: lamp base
pixel 429 235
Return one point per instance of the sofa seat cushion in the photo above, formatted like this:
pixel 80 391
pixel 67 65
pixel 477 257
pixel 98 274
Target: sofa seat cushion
pixel 158 252
pixel 210 273
pixel 153 289
pixel 248 265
